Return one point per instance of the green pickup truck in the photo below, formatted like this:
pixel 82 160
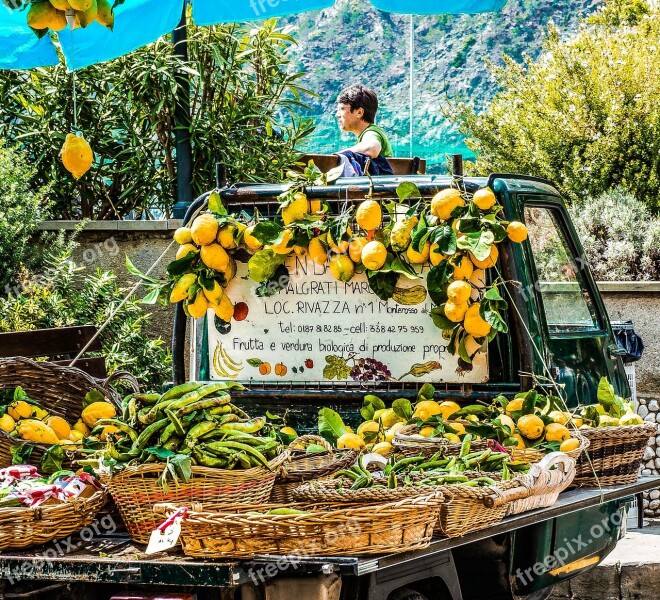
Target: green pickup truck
pixel 558 330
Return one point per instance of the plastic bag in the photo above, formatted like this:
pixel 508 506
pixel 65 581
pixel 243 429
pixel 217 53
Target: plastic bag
pixel 628 340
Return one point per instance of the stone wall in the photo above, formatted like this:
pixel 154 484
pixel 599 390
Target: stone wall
pixel 649 410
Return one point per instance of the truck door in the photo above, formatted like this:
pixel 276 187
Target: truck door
pixel 580 347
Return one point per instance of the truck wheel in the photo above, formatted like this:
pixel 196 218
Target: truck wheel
pixel 406 594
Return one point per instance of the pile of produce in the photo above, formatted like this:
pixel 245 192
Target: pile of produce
pixel 22 485
pixel 611 410
pixel 26 420
pixel 190 424
pixel 455 233
pixel 51 15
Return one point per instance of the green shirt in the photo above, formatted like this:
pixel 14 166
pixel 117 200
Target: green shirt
pixel 385 148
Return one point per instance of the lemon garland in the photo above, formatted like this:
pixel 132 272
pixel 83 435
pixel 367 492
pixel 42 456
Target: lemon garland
pixel 456 233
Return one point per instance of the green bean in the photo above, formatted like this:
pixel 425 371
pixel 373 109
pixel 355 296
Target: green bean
pixel 180 390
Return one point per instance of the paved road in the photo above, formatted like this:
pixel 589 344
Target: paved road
pixel 630 572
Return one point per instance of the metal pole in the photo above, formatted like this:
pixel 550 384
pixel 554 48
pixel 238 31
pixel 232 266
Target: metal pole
pixel 412 72
pixel 182 123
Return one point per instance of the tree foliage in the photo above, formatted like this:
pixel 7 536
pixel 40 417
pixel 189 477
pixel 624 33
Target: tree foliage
pixel 20 211
pixel 243 102
pixel 585 114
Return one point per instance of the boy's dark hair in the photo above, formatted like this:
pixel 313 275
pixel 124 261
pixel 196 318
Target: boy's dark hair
pixel 359 96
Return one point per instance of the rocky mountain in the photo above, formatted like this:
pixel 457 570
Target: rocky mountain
pixel 353 42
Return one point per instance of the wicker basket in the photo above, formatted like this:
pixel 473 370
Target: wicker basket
pixel 614 456
pixel 58 389
pixel 532 455
pixel 324 530
pixel 21 527
pixel 308 467
pixel 406 444
pixel 474 508
pixel 546 480
pixel 135 490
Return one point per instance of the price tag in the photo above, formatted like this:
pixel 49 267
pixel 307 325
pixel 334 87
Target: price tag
pixel 167 534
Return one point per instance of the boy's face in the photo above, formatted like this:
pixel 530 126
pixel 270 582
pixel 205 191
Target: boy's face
pixel 349 120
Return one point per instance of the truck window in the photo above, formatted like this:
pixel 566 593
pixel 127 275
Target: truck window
pixel 566 299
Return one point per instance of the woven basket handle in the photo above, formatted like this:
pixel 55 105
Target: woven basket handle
pixel 106 385
pixel 500 497
pixel 559 460
pixel 312 439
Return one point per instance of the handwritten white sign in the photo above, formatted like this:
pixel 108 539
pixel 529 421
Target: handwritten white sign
pixel 318 328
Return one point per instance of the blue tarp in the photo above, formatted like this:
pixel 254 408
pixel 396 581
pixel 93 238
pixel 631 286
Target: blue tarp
pixel 140 22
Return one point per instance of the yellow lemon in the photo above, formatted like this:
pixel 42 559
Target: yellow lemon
pixel 531 426
pixel 388 418
pixel 427 432
pixel 426 409
pixel 296 209
pixel 104 15
pixel 489 261
pixel 569 444
pixel 43 15
pixel 448 408
pixel 458 427
pixel 342 247
pixel 249 240
pixel 227 236
pixel 517 231
pixel 185 250
pixel 459 291
pixel 61 428
pixel 19 410
pixel 383 448
pixel 317 251
pixel 484 198
pixel 418 258
pixel 283 246
pixel 341 267
pixel 559 417
pixel 556 432
pixel 392 431
pixel 225 309
pixel 181 288
pixel 355 247
pixel 204 229
pixel 444 202
pixel 369 215
pixel 368 427
pixel 435 256
pixel 455 312
pixel 288 431
pixel 631 419
pixel 463 268
pixel 214 256
pixel 350 440
pixel 7 423
pixel 61 4
pixel 82 427
pixel 374 255
pixel 77 155
pixel 80 5
pixel 88 16
pixel 182 235
pixel 76 436
pixel 214 296
pixel 198 307
pixel 474 324
pixel 520 442
pixel 452 438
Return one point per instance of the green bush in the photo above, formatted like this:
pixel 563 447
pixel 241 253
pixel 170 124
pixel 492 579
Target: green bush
pixel 20 211
pixel 585 114
pixel 241 96
pixel 621 237
pixel 64 294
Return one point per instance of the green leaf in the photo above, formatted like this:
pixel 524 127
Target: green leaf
pixel 339 227
pixel 420 234
pixel 382 284
pixel 440 320
pixel 402 408
pixel 605 393
pixel 182 466
pixel 215 204
pixel 267 231
pixel 331 425
pixel 407 189
pixel 91 397
pixel 20 453
pixel 183 265
pixel 445 237
pixel 336 368
pixel 152 296
pixel 162 453
pixel 133 270
pixel 493 317
pixel 403 268
pixel 52 459
pixel 374 401
pixel 275 284
pixel 254 362
pixel 437 280
pixel 477 242
pixel 462 352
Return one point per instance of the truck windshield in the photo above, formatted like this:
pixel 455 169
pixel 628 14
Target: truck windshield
pixel 567 303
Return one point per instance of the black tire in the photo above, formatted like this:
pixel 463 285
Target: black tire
pixel 406 594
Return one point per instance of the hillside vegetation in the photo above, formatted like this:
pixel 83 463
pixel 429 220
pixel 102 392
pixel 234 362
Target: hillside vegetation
pixel 353 42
